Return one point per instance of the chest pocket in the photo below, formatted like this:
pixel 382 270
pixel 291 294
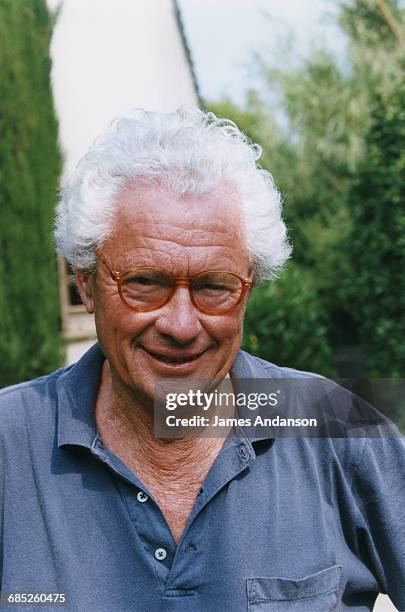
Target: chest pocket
pixel 315 593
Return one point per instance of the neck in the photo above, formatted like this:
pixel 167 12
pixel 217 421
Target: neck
pixel 126 426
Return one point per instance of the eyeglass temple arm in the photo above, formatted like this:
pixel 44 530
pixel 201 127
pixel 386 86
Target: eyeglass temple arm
pixel 249 283
pixel 114 274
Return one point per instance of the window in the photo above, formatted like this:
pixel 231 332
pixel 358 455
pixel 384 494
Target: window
pixel 76 322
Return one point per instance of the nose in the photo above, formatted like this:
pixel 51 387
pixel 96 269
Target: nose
pixel 179 319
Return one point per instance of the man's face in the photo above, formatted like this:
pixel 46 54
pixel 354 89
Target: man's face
pixel 182 236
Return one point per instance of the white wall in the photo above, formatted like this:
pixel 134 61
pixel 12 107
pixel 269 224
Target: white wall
pixel 110 56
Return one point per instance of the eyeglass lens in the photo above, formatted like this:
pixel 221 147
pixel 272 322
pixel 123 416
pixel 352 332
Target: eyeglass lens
pixel 212 291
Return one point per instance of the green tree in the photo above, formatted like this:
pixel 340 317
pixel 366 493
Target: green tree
pixel 315 154
pixel 285 323
pixel 376 244
pixel 30 164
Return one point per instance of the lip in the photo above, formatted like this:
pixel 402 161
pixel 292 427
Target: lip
pixel 158 360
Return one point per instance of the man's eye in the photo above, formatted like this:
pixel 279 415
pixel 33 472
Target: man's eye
pixel 215 287
pixel 138 282
pixel 143 280
pixel 211 287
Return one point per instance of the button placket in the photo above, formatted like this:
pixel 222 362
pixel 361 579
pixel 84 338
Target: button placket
pixel 151 528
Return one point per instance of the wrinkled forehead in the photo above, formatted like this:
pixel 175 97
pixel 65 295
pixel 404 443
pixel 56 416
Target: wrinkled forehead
pixel 181 233
pixel 151 211
pixel 223 202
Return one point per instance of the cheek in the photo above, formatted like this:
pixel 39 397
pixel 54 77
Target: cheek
pixel 115 320
pixel 227 330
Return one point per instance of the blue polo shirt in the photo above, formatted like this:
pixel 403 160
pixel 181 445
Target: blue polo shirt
pixel 280 524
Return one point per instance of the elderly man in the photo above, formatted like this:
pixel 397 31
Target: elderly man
pixel 168 221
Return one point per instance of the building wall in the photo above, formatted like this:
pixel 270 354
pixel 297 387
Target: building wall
pixel 111 56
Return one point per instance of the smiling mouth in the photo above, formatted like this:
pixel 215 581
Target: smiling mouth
pixel 175 359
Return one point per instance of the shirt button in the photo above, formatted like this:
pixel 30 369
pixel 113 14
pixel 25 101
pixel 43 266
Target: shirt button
pixel 160 554
pixel 243 454
pixel 142 497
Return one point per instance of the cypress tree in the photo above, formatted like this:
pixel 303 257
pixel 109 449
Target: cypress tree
pixel 30 165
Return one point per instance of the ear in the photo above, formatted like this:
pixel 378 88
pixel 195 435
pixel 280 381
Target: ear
pixel 85 287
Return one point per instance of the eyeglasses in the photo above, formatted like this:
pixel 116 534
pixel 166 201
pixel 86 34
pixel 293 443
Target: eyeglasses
pixel 145 288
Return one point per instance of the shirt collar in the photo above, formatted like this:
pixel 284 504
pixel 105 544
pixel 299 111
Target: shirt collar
pixel 77 390
pixel 245 367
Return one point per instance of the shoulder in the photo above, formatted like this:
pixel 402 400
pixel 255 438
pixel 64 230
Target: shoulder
pixel 381 469
pixel 353 431
pixel 247 365
pixel 28 404
pixel 344 408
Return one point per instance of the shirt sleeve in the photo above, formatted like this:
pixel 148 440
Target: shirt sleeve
pixel 379 486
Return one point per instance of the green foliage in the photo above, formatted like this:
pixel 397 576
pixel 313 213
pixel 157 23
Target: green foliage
pixel 376 34
pixel 332 157
pixel 30 164
pixel 377 241
pixel 285 323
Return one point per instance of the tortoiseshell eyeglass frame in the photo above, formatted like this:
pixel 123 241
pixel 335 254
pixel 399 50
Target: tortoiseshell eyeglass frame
pixel 119 277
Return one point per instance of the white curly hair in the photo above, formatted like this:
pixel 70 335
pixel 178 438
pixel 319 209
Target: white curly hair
pixel 188 151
